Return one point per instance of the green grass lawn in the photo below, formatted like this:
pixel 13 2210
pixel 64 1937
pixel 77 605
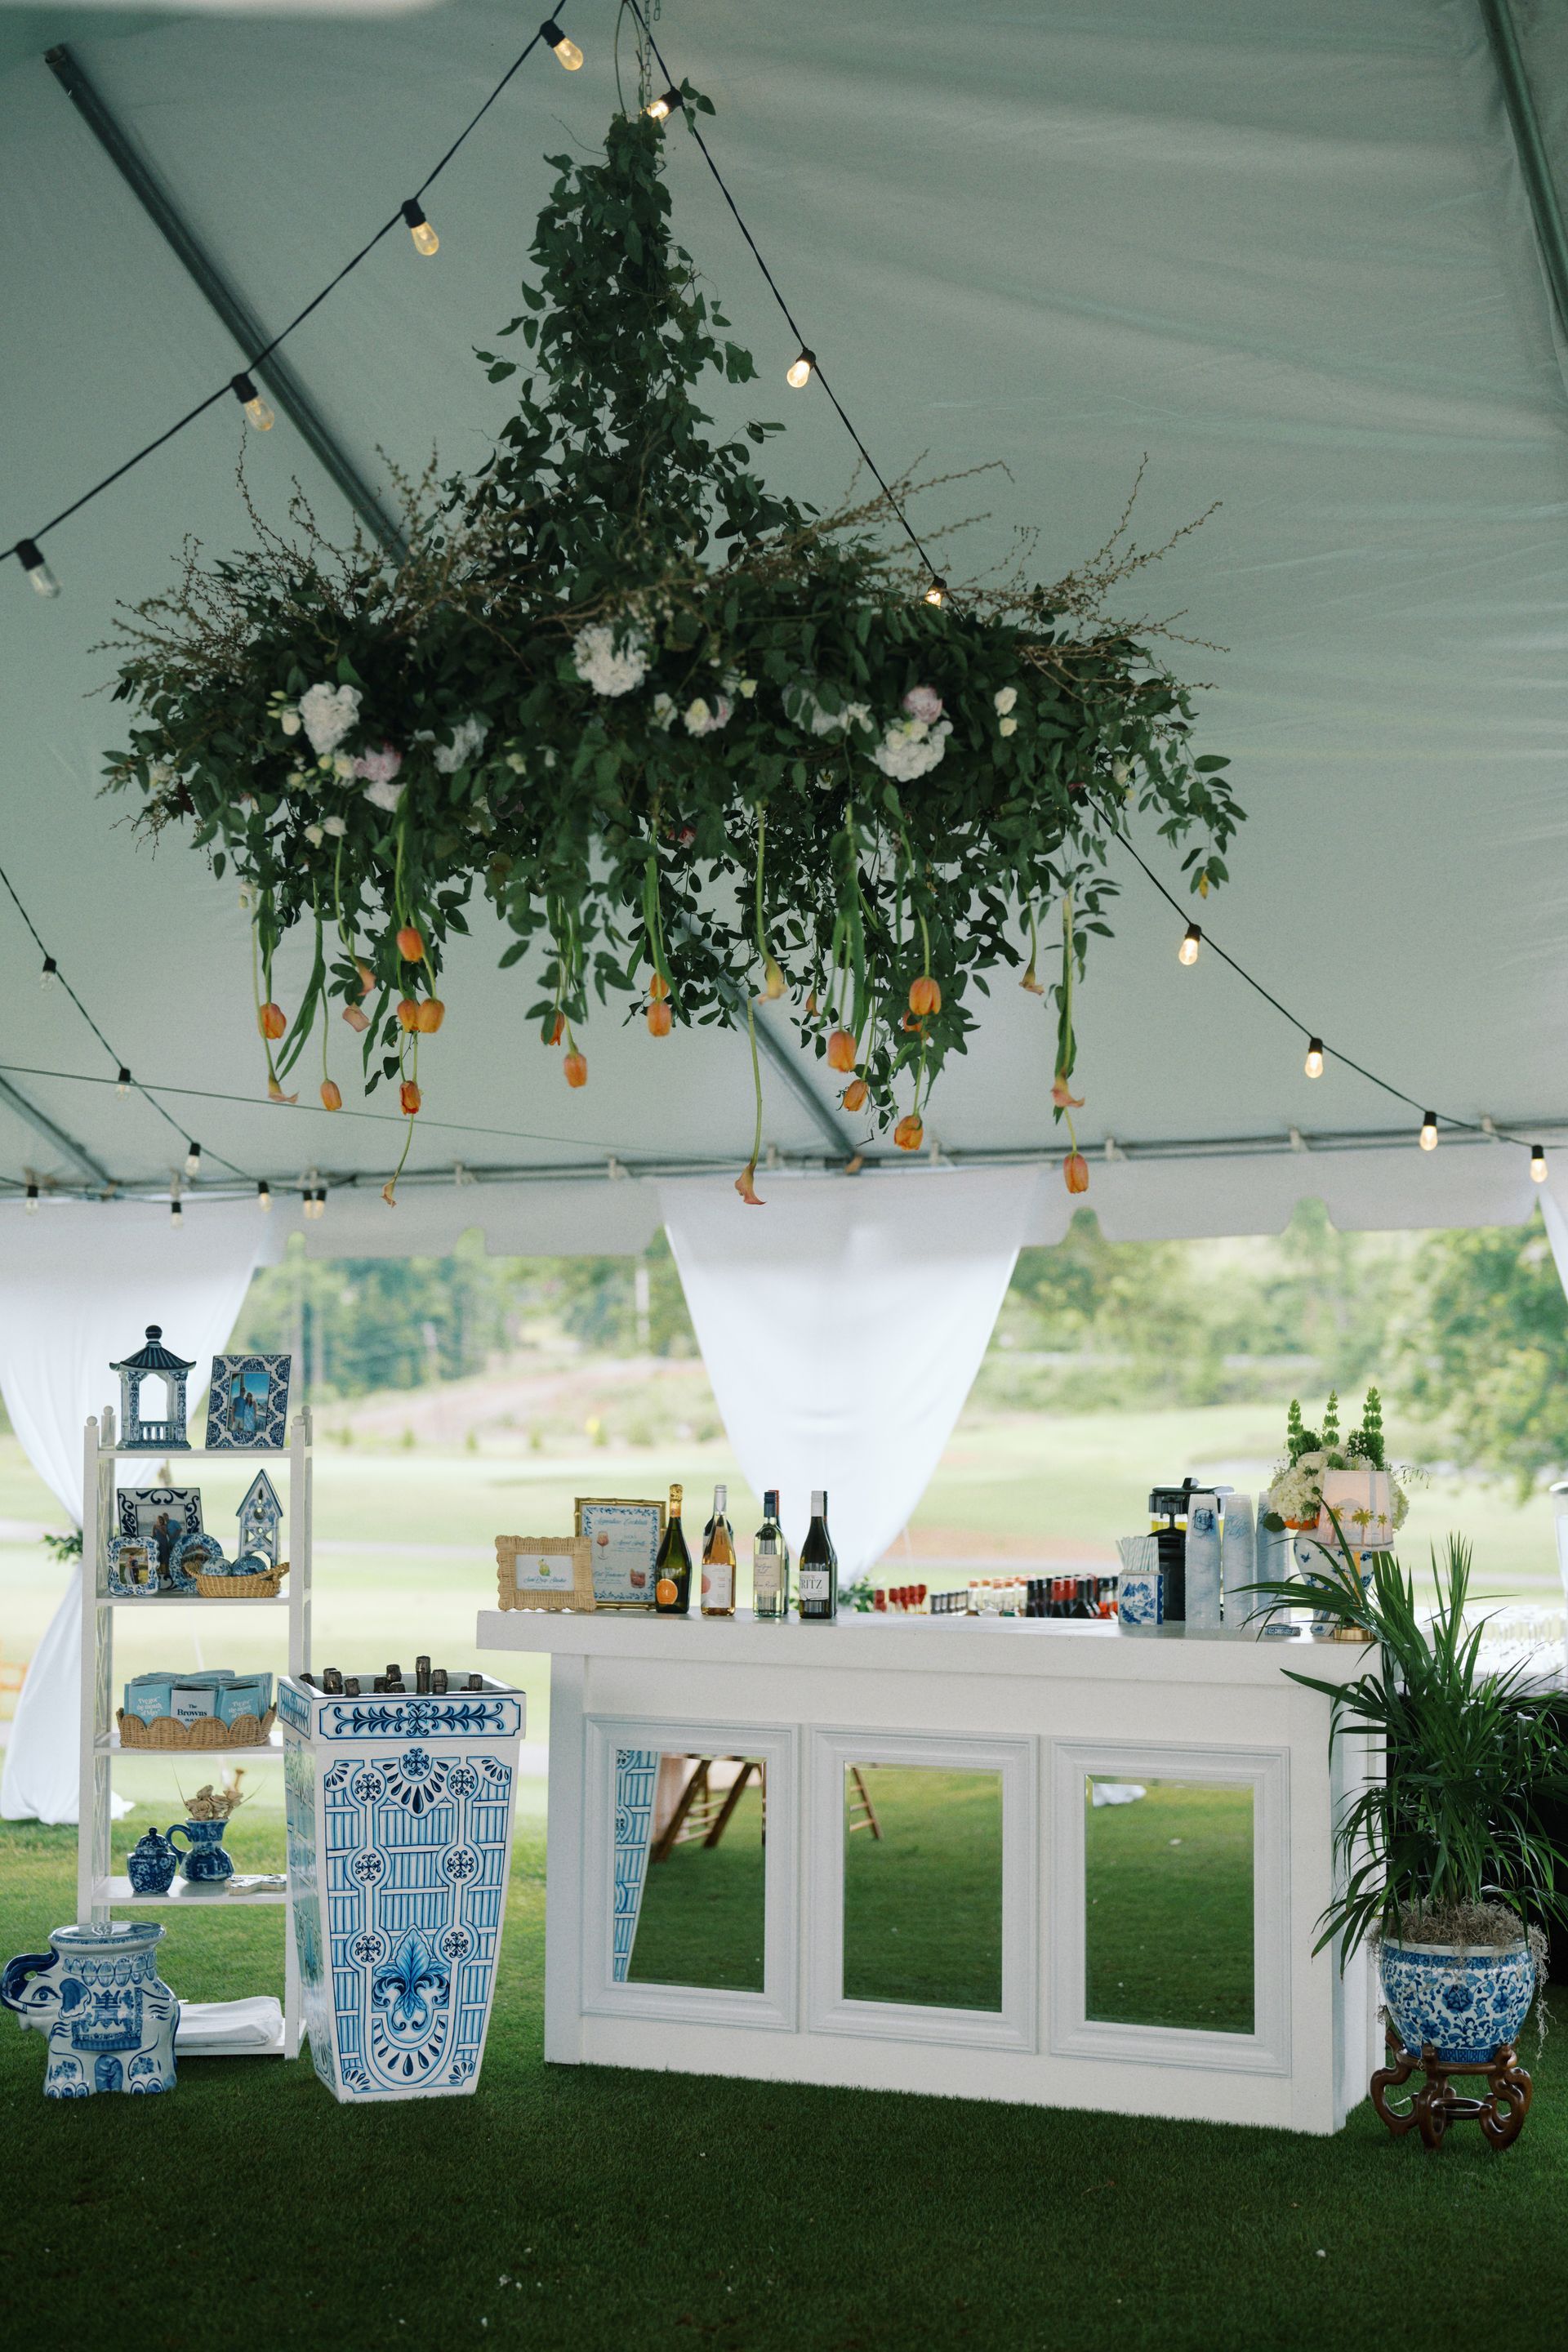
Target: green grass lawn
pixel 591 2209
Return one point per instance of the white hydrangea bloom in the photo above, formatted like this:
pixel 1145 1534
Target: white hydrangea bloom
pixel 607 667
pixel 326 713
pixel 910 749
pixel 1004 698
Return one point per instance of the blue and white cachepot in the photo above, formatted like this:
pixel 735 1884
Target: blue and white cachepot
pixel 110 2017
pixel 400 1817
pixel 1464 1998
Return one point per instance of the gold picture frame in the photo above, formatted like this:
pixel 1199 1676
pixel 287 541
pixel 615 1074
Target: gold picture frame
pixel 543 1572
pixel 623 1534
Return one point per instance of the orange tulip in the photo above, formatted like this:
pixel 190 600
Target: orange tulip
pixel 841 1051
pixel 366 978
pixel 271 1020
pixel 925 996
pixel 658 988
pixel 658 1019
pixel 410 1095
pixel 357 1020
pixel 909 1134
pixel 575 1065
pixel 811 1006
pixel 554 1029
pixel 429 1014
pixel 1074 1171
pixel 407 1013
pixel 410 944
pixel 746 1185
pixel 855 1093
pixel 331 1098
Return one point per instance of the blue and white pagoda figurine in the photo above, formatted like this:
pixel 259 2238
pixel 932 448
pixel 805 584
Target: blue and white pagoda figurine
pixel 261 1517
pixel 140 1433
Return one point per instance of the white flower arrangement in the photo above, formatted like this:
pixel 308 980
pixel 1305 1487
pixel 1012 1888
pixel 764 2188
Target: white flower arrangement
pixel 1295 1492
pixel 326 713
pixel 911 748
pixel 609 667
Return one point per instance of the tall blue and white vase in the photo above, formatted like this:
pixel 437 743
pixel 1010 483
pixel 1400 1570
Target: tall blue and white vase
pixel 400 1811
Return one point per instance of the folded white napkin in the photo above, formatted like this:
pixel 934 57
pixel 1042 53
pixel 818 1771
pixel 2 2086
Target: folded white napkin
pixel 208 2028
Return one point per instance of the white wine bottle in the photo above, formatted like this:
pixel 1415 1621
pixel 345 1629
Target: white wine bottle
pixel 719 1559
pixel 818 1578
pixel 770 1564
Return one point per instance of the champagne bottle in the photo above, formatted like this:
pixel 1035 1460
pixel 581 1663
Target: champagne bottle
pixel 769 1564
pixel 672 1573
pixel 818 1568
pixel 719 1559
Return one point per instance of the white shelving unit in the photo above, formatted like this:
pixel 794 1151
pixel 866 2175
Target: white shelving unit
pixel 98 1892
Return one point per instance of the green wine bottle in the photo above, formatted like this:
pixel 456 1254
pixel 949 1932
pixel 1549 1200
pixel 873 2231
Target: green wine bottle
pixel 672 1574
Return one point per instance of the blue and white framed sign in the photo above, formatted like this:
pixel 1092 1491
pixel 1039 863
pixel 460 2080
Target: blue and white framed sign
pixel 623 1539
pixel 247 1404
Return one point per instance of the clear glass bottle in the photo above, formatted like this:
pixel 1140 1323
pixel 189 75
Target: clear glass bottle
pixel 817 1578
pixel 719 1559
pixel 672 1574
pixel 770 1564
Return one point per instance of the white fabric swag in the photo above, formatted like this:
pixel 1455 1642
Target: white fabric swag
pixel 842 1327
pixel 79 1285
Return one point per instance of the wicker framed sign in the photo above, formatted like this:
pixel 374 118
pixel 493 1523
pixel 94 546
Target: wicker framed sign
pixel 543 1572
pixel 623 1539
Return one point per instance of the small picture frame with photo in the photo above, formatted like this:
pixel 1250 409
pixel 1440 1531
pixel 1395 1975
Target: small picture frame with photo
pixel 543 1572
pixel 160 1517
pixel 623 1538
pixel 248 1404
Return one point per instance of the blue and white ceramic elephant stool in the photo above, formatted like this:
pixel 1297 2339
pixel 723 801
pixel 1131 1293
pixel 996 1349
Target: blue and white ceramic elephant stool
pixel 109 2017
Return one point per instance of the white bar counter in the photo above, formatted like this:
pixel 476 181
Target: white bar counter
pixel 1046 1706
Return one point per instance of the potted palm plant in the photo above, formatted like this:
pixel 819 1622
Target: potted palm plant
pixel 1442 1859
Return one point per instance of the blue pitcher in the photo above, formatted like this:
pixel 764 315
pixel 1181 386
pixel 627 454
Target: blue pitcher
pixel 150 1865
pixel 110 2018
pixel 206 1862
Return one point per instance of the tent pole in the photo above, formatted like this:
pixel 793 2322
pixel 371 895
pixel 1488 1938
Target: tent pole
pixel 286 387
pixel 76 1152
pixel 1503 38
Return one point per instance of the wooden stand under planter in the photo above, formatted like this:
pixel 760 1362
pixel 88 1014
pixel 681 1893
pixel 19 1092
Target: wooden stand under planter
pixel 1500 2113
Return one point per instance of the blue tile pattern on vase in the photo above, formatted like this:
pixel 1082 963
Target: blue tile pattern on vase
pixel 637 1783
pixel 305 1900
pixel 1465 2002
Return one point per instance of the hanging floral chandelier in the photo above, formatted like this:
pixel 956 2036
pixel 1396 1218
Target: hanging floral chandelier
pixel 698 745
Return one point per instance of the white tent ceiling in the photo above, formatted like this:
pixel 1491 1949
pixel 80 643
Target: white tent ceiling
pixel 1284 247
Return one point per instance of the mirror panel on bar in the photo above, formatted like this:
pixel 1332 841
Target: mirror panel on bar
pixel 689 1900
pixel 923 1887
pixel 1168 1902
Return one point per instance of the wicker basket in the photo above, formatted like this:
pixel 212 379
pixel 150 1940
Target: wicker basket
pixel 207 1731
pixel 213 1587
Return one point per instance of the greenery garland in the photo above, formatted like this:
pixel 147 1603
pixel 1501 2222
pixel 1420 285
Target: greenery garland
pixel 701 743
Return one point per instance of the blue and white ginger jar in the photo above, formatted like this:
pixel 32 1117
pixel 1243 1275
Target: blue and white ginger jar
pixel 1464 1999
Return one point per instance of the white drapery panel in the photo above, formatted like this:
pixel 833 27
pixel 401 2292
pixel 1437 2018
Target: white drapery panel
pixel 79 1285
pixel 843 1325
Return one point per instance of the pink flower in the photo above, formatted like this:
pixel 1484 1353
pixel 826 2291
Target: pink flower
pixel 379 767
pixel 923 702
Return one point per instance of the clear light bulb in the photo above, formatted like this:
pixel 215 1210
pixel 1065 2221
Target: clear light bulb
pixel 425 237
pixel 1191 941
pixel 661 107
pixel 798 374
pixel 937 593
pixel 32 1200
pixel 566 50
pixel 250 400
pixel 36 569
pixel 50 973
pixel 1537 1164
pixel 1314 1057
pixel 192 1159
pixel 264 1194
pixel 1429 1131
pixel 122 1082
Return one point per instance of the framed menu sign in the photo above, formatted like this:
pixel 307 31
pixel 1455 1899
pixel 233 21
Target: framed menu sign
pixel 543 1572
pixel 623 1539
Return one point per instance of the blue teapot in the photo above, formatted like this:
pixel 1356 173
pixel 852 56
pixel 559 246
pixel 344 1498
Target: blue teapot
pixel 205 1861
pixel 110 2018
pixel 150 1865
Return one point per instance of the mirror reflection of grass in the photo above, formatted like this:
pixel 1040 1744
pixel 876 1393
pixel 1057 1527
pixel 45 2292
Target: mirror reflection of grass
pixel 1168 1905
pixel 702 1910
pixel 923 1903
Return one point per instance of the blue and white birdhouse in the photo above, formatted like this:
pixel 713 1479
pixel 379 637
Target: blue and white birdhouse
pixel 261 1517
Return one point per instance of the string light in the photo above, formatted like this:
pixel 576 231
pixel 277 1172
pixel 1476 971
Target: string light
pixel 193 1160
pixel 1537 1164
pixel 50 973
pixel 663 107
pixel 1314 1057
pixel 425 237
pixel 30 557
pixel 570 55
pixel 937 592
pixel 250 400
pixel 264 1194
pixel 177 1213
pixel 32 1200
pixel 799 373
pixel 122 1082
pixel 1429 1130
pixel 1193 940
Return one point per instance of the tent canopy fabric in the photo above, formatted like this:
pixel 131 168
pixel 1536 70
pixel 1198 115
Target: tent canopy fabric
pixel 1283 247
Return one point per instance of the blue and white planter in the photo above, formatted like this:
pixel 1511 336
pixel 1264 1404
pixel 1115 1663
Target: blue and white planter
pixel 1463 1999
pixel 400 1819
